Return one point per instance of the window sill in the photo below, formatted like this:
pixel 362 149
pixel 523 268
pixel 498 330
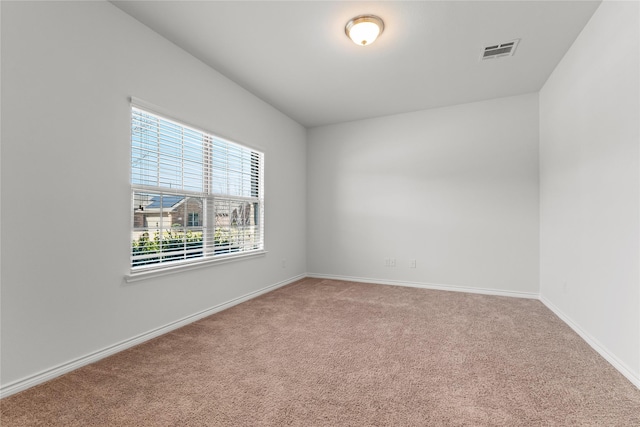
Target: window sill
pixel 136 276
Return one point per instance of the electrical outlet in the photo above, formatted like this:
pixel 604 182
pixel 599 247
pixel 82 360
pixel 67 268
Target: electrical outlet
pixel 392 262
pixel 412 263
pixel 387 262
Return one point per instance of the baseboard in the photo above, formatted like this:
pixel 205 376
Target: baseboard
pixel 434 286
pixel 41 377
pixel 594 343
pixel 49 374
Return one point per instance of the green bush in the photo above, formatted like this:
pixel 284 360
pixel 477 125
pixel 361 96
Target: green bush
pixel 177 241
pixel 172 241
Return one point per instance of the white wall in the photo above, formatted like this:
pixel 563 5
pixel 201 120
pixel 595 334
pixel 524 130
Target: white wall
pixel 68 69
pixel 590 185
pixel 454 188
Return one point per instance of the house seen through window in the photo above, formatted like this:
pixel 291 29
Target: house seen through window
pixel 194 196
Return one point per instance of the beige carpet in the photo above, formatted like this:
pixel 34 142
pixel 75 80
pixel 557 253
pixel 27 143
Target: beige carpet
pixel 329 353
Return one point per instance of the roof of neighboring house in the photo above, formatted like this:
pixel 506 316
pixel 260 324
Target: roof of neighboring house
pixel 164 202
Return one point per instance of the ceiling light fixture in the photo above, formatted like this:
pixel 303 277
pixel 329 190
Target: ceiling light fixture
pixel 364 29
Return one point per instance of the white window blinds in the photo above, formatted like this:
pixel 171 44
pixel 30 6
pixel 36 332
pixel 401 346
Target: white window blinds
pixel 195 195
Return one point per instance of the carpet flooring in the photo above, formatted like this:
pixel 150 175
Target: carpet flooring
pixel 331 353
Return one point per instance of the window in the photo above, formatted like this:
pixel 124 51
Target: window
pixel 195 196
pixel 194 219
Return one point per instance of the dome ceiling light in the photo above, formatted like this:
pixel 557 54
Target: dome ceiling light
pixel 364 29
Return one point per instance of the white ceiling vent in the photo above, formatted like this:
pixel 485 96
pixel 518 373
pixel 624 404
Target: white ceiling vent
pixel 500 50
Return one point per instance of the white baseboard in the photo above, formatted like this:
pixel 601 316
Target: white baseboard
pixel 434 286
pixel 594 343
pixel 48 374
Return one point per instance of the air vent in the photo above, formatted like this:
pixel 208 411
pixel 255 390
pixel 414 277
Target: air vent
pixel 500 50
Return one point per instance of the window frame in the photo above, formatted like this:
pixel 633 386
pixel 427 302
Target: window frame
pixel 207 219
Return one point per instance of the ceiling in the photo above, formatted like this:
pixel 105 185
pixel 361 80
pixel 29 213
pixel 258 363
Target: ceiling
pixel 296 56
